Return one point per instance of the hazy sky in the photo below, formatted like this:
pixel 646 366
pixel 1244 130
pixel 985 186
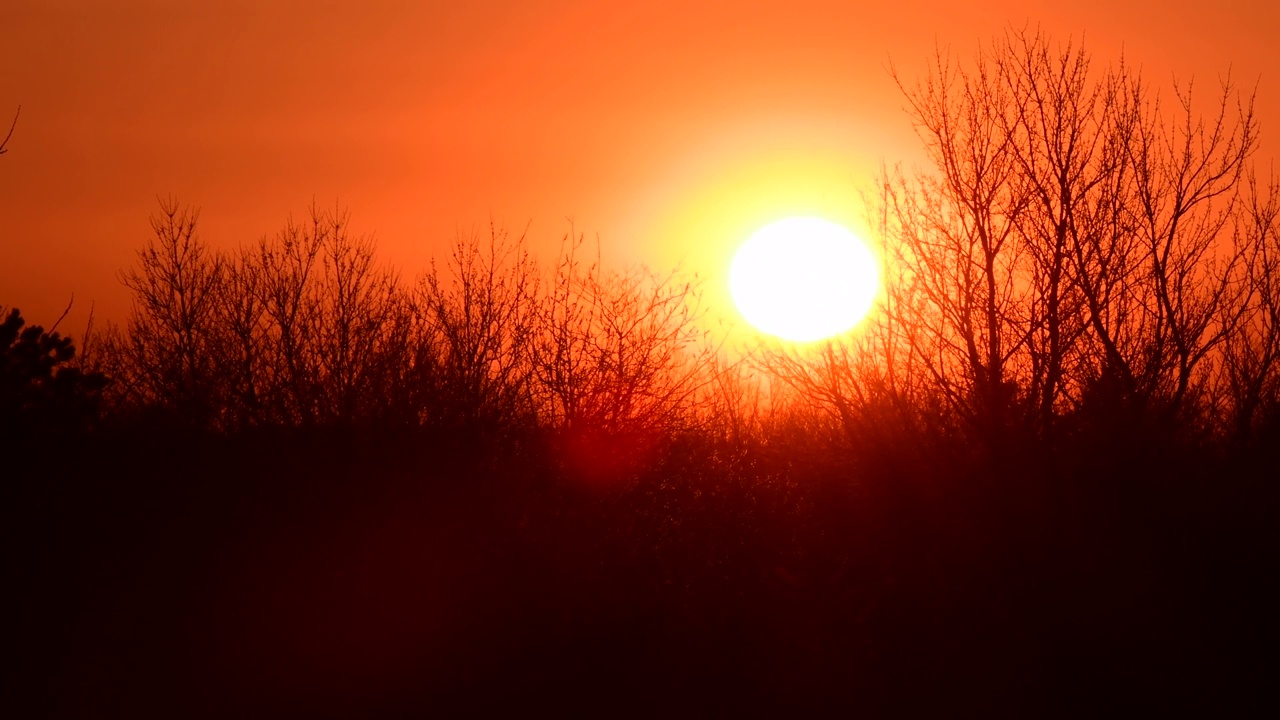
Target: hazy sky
pixel 669 128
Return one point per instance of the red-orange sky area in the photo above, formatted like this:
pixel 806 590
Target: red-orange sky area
pixel 670 128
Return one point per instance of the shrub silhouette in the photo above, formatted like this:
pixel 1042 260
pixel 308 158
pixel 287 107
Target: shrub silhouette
pixel 41 389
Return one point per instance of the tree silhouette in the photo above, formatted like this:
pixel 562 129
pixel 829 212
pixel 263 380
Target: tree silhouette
pixel 166 356
pixel 41 389
pixel 479 320
pixel 1251 351
pixel 618 354
pixel 1073 245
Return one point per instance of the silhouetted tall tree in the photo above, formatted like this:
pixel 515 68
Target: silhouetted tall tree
pixel 1072 241
pixel 167 355
pixel 1251 351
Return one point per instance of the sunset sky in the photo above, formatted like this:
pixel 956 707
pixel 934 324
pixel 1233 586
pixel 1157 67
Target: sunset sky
pixel 669 129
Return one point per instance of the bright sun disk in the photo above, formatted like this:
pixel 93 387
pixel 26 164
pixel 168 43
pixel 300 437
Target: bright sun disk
pixel 803 279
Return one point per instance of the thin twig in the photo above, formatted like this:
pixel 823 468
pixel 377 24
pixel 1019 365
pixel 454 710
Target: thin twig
pixel 63 316
pixel 13 125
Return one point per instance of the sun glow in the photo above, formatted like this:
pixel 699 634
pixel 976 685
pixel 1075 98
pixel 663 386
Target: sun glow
pixel 803 279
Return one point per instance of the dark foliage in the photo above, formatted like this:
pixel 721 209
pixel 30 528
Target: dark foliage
pixel 41 390
pixel 387 573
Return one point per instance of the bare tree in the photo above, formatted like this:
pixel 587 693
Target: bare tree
pixel 287 263
pixel 167 355
pixel 242 340
pixel 323 314
pixel 358 300
pixel 479 315
pixel 958 232
pixel 1071 243
pixel 1187 174
pixel 1251 352
pixel 1067 131
pixel 303 328
pixel 618 353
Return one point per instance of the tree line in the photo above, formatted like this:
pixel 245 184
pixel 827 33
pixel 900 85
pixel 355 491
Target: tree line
pixel 1082 249
pixel 1042 468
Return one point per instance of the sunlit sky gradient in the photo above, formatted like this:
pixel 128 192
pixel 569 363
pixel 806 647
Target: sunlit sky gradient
pixel 670 129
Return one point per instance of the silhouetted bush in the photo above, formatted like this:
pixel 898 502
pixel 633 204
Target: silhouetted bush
pixel 42 391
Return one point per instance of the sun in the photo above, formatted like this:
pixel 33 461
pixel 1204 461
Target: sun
pixel 803 279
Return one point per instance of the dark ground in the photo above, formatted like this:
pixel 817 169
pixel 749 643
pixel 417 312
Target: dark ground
pixel 370 574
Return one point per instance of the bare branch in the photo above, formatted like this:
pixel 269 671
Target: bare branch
pixel 12 125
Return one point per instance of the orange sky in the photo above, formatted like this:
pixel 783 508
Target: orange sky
pixel 670 129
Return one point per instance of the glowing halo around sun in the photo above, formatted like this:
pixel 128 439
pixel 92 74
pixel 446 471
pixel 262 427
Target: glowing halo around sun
pixel 803 279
